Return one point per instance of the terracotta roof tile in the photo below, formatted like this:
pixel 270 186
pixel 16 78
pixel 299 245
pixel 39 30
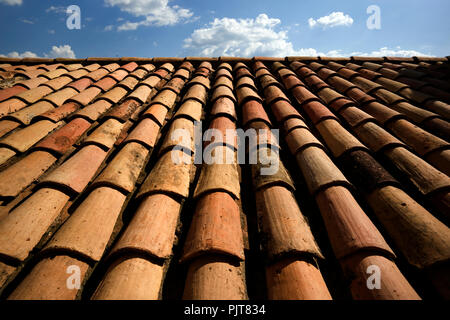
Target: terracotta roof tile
pixel 222 92
pixel 355 116
pixel 299 138
pixel 424 176
pixel 214 279
pixel 105 84
pixel 60 113
pixel 81 234
pixel 7 126
pixel 337 139
pixel 123 111
pixel 33 95
pixel 319 171
pixel 93 111
pixel 337 204
pixel 86 96
pixel 21 174
pixel 215 228
pixel 144 133
pixel 65 137
pixel 397 287
pixel 254 111
pixel 166 98
pixel 168 177
pixel 196 92
pixel 48 280
pixel 24 228
pixel 123 171
pixel 105 135
pixel 76 172
pixel 422 249
pixel 183 141
pixel 283 110
pixel 81 84
pixel 282 221
pixel 378 140
pixel 295 280
pixel 59 97
pixel 158 113
pixel 219 177
pixel 114 95
pixel 131 279
pixel 375 137
pixel 23 139
pixel 9 92
pixel 191 109
pixel 224 106
pixel 26 115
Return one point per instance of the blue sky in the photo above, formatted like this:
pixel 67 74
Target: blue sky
pixel 147 28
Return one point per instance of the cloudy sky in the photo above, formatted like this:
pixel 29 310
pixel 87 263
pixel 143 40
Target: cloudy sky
pixel 178 28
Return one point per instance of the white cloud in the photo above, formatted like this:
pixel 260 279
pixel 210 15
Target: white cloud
pixel 259 37
pixel 241 37
pixel 59 9
pixel 63 51
pixel 11 2
pixel 26 21
pixel 156 13
pixel 51 31
pixel 334 19
pixel 15 54
pixel 109 28
pixel 386 52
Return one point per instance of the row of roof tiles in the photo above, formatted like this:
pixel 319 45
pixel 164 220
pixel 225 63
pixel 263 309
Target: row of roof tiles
pixel 96 163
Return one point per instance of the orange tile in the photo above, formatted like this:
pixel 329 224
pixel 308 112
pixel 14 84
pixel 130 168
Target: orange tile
pixel 124 169
pixel 9 92
pixel 60 113
pixel 215 228
pixel 156 112
pixel 76 172
pixel 211 278
pixel 168 176
pixel 61 140
pixel 349 229
pixel 145 133
pixel 25 138
pixel 22 173
pixel 131 279
pixel 224 106
pixel 152 229
pixel 10 106
pixel 295 280
pixel 26 226
pixel 26 115
pixel 48 280
pixel 81 233
pixel 93 111
pixel 318 169
pixel 86 96
pixel 123 111
pixel 7 126
pixel 393 285
pixel 253 111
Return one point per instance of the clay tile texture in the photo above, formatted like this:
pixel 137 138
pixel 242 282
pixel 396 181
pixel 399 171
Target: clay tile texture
pixel 127 168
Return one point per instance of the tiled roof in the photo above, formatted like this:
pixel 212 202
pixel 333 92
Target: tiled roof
pixel 89 188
